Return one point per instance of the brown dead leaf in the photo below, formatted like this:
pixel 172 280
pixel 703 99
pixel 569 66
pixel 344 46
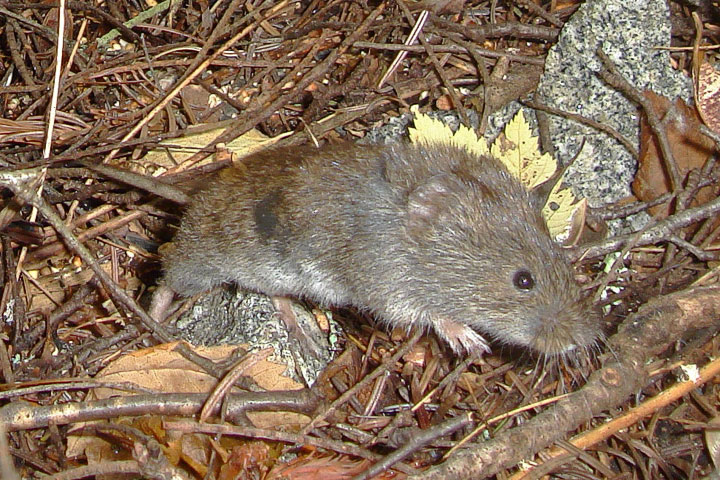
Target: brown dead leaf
pixel 246 461
pixel 195 452
pixel 327 468
pixel 444 102
pixel 163 369
pixel 175 151
pixel 197 101
pixel 438 7
pixel 690 149
pixel 708 96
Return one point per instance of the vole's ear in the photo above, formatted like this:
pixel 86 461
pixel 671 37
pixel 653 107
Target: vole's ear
pixel 427 202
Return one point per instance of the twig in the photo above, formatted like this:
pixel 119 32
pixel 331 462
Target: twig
pixel 635 414
pixel 429 50
pixel 51 119
pixel 56 80
pixel 410 40
pixel 499 418
pixel 586 121
pixel 648 332
pixel 261 114
pixel 277 436
pixel 18 416
pixel 18 183
pixel 144 182
pixel 451 49
pixel 539 11
pixel 482 71
pixel 125 27
pixel 118 221
pixel 10 28
pixel 386 365
pixel 226 383
pixel 493 30
pixel 42 29
pixel 662 230
pixel 195 70
pixel 715 136
pixel 613 212
pixel 69 385
pixel 85 7
pixel 612 76
pixel 418 441
pixel 696 251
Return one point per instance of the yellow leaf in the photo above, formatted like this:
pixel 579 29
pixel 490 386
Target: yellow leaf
pixel 562 214
pixel 519 150
pixel 467 138
pixel 433 131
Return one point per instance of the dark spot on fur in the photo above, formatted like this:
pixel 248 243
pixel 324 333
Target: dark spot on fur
pixel 266 221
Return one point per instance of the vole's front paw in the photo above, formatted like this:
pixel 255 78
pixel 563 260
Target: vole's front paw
pixel 460 337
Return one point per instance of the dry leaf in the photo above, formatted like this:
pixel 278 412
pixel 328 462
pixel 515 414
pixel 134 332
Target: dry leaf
pixel 327 468
pixel 248 460
pixel 195 452
pixel 444 102
pixel 563 217
pixel 708 96
pixel 519 150
pixel 163 369
pixel 712 441
pixel 197 100
pixel 689 146
pixel 176 150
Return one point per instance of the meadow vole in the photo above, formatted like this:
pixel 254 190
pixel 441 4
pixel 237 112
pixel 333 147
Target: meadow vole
pixel 431 236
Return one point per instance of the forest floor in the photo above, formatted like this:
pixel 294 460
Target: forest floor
pixel 91 386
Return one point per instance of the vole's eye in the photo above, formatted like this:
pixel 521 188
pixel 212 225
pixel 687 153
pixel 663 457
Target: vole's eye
pixel 523 280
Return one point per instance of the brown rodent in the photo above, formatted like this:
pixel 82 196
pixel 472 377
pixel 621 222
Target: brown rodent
pixel 429 236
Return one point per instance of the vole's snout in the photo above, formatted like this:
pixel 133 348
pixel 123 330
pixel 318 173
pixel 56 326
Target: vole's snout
pixel 574 330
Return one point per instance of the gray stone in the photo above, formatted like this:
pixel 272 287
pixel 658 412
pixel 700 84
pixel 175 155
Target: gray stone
pixel 629 32
pixel 229 316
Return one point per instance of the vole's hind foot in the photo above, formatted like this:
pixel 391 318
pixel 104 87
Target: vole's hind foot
pixel 284 309
pixel 461 338
pixel 161 300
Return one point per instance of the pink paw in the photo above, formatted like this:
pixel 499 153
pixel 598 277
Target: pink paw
pixel 461 338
